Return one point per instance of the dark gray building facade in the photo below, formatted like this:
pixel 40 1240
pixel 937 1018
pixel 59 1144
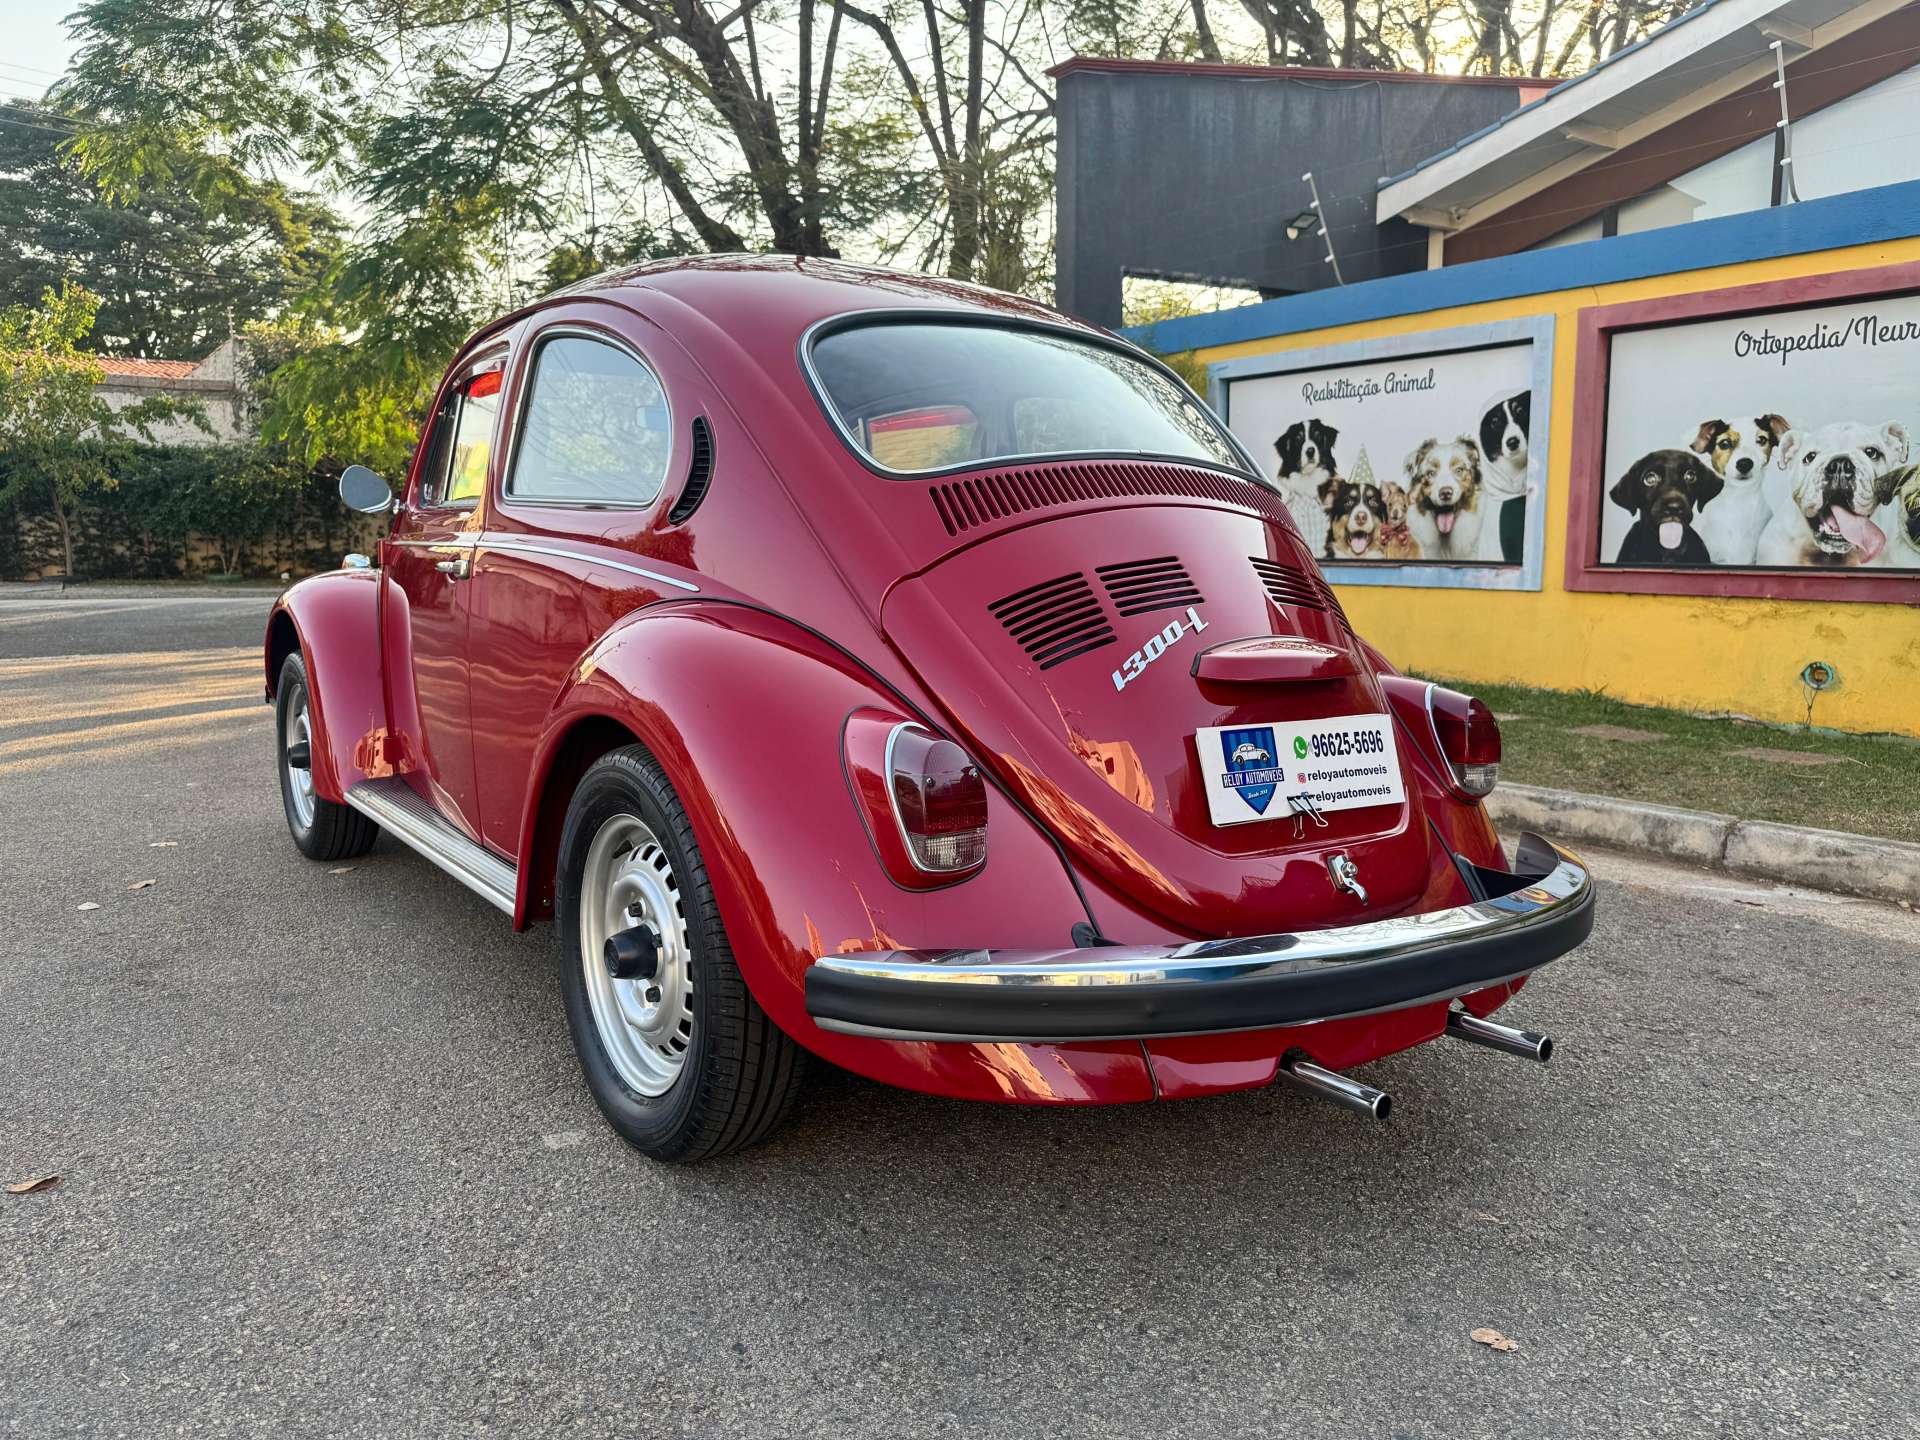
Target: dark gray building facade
pixel 1192 172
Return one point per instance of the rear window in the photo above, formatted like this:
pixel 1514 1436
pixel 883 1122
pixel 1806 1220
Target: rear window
pixel 924 396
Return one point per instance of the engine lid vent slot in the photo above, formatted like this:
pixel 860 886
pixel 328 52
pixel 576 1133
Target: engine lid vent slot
pixel 983 499
pixel 1054 621
pixel 1137 586
pixel 699 473
pixel 1287 586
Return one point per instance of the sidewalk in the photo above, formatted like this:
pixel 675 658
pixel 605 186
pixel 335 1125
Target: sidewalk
pixel 1792 854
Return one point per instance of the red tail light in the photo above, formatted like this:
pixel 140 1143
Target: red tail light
pixel 1468 736
pixel 922 797
pixel 939 800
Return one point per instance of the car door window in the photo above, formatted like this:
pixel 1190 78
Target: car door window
pixel 594 429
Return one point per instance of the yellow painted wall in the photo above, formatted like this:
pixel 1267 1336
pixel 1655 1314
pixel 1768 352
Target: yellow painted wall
pixel 1701 654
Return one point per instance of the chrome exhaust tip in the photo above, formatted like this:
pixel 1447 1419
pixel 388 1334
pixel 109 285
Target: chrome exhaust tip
pixel 1471 1028
pixel 1332 1085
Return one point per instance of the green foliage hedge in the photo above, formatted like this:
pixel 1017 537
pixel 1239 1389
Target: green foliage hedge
pixel 181 511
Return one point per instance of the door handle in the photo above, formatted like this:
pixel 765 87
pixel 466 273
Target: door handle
pixel 458 567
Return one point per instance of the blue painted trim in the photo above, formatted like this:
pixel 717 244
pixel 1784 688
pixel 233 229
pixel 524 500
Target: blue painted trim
pixel 1538 329
pixel 1861 217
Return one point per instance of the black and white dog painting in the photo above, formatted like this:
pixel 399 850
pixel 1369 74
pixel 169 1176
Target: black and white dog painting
pixel 1307 465
pixel 1504 450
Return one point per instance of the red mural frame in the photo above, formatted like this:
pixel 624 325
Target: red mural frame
pixel 1586 477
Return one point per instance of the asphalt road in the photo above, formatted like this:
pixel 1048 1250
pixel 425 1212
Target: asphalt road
pixel 115 619
pixel 329 1169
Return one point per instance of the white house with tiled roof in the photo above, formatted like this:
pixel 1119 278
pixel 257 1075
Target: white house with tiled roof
pixel 216 384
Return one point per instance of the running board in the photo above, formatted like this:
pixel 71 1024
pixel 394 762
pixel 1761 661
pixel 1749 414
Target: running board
pixel 398 809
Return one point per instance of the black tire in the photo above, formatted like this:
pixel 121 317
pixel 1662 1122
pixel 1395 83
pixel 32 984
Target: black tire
pixel 740 1074
pixel 333 832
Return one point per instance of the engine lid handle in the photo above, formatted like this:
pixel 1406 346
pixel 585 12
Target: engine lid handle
pixel 1271 659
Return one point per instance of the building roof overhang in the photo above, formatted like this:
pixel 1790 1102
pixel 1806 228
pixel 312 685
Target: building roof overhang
pixel 1713 51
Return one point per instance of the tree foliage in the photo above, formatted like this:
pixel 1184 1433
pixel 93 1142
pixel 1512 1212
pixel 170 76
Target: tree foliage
pixel 197 248
pixel 55 427
pixel 496 146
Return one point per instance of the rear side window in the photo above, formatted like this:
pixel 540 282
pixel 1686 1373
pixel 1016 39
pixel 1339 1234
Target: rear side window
pixel 473 439
pixel 594 430
pixel 462 443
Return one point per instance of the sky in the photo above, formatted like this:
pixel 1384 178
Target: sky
pixel 37 48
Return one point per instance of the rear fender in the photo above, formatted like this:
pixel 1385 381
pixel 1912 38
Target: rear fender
pixel 745 710
pixel 333 621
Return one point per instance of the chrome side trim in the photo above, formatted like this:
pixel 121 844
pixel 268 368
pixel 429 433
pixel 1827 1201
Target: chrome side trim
pixel 465 540
pixel 515 545
pixel 398 809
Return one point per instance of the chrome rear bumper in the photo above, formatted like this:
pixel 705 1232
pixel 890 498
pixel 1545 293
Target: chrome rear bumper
pixel 1210 986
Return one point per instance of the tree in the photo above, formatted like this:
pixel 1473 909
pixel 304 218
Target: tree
pixel 54 426
pixel 175 270
pixel 790 125
pixel 236 494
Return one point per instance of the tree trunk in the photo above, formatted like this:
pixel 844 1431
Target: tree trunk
pixel 64 523
pixel 1209 47
pixel 965 188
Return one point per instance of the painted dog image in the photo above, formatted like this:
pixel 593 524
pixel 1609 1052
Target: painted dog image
pixel 1444 512
pixel 1504 446
pixel 1356 512
pixel 1503 443
pixel 1307 464
pixel 1395 538
pixel 1740 453
pixel 1900 519
pixel 1837 476
pixel 1664 490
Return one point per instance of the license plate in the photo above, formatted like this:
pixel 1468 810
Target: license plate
pixel 1255 772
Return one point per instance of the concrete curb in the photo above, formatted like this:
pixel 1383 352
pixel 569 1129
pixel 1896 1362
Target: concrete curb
pixel 1792 854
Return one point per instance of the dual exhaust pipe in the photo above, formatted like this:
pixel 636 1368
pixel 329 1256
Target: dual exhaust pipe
pixel 1351 1094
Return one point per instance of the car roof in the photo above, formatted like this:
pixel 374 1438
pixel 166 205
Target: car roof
pixel 788 293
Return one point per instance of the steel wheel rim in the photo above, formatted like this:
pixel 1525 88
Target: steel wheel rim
pixel 299 782
pixel 645 1025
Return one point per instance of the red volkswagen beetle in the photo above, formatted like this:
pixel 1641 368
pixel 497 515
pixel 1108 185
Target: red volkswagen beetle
pixel 879 668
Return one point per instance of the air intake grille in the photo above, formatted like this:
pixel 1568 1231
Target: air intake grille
pixel 1142 585
pixel 699 473
pixel 981 500
pixel 1287 586
pixel 1055 620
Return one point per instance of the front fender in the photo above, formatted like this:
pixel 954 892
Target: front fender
pixel 333 621
pixel 745 712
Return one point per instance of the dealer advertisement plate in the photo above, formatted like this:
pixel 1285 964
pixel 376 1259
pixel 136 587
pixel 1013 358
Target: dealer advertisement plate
pixel 1253 772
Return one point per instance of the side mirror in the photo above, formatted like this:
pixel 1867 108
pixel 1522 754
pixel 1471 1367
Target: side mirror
pixel 362 490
